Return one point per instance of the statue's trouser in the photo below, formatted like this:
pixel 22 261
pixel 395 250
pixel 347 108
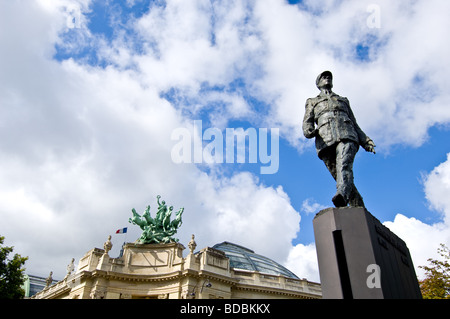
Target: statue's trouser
pixel 339 161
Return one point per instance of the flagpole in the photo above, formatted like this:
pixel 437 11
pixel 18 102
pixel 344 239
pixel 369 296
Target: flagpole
pixel 123 231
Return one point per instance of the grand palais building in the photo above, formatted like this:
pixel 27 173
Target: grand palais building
pixel 159 271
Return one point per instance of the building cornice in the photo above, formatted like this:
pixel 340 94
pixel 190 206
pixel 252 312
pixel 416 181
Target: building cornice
pixel 274 291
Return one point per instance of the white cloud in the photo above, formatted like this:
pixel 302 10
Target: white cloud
pixel 86 144
pixel 245 212
pixel 396 96
pixel 437 188
pixel 310 207
pixel 191 42
pixel 278 49
pixel 302 261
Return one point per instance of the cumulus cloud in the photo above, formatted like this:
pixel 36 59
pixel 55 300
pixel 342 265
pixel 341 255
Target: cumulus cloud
pixel 277 50
pixel 437 186
pixel 310 207
pixel 302 260
pixel 243 211
pixel 395 90
pixel 86 144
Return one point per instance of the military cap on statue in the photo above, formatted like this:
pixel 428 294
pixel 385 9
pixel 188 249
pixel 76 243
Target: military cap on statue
pixel 322 74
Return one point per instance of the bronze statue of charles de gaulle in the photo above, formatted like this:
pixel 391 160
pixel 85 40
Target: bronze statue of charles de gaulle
pixel 329 118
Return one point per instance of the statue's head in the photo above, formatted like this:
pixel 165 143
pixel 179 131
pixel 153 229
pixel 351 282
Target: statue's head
pixel 324 79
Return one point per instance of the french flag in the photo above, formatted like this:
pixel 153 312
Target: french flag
pixel 122 230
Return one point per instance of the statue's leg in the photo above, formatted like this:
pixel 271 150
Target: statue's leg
pixel 328 156
pixel 345 155
pixel 355 199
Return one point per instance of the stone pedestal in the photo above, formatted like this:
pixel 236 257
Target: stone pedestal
pixel 361 258
pixel 153 258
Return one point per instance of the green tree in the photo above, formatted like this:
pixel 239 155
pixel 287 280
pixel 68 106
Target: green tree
pixel 11 273
pixel 436 284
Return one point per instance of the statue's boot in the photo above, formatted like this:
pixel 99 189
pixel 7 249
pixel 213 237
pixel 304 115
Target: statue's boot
pixel 339 200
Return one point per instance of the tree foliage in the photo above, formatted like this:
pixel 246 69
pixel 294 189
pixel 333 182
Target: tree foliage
pixel 11 273
pixel 436 284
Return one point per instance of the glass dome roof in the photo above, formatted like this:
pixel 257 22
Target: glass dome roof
pixel 244 258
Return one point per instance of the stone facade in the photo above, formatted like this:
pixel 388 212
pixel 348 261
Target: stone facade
pixel 159 271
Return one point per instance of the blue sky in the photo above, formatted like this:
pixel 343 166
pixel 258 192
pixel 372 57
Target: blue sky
pixel 91 92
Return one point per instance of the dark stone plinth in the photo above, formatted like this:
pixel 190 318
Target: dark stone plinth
pixel 361 258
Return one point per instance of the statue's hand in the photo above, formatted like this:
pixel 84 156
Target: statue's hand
pixel 369 146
